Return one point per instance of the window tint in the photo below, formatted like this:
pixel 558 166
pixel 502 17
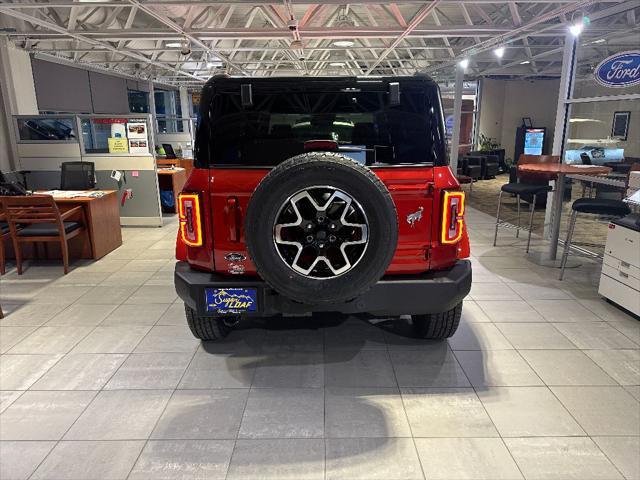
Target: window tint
pixel 363 124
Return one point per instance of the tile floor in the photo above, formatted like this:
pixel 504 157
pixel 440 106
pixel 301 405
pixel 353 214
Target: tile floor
pixel 100 378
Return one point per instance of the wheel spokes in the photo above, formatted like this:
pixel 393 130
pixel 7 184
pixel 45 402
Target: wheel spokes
pixel 324 228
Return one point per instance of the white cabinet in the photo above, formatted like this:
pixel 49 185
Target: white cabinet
pixel 620 278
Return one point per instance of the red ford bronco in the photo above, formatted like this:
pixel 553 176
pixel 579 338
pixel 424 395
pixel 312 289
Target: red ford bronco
pixel 321 195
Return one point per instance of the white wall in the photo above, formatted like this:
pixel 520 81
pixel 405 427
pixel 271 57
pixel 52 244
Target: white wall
pixel 17 73
pixel 6 154
pixel 505 102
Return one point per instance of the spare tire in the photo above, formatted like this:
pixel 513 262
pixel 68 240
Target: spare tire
pixel 321 228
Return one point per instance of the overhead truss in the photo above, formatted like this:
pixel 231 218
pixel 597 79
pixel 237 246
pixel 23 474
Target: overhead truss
pixel 185 42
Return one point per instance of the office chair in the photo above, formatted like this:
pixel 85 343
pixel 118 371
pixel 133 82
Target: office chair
pixel 78 176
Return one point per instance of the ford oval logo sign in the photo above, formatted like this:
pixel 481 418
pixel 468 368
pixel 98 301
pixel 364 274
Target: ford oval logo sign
pixel 620 70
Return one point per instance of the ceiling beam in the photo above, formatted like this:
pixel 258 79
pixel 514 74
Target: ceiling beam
pixel 178 29
pixel 216 3
pixel 412 25
pixel 427 31
pixel 77 36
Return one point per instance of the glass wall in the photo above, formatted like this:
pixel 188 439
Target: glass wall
pixel 99 135
pixel 49 129
pixel 168 110
pixel 604 122
pixel 138 101
pixel 467 116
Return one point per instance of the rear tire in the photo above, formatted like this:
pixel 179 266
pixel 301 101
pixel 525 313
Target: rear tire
pixel 206 328
pixel 438 326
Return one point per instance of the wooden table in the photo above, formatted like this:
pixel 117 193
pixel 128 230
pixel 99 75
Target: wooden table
pixel 560 170
pixel 172 179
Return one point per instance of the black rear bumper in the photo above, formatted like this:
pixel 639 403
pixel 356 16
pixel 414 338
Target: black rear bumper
pixel 431 292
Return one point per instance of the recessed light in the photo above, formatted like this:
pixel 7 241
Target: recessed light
pixel 344 43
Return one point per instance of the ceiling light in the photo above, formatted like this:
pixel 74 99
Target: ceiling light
pixel 576 29
pixel 174 45
pixel 499 52
pixel 526 62
pixel 464 63
pixel 601 40
pixel 296 45
pixel 344 43
pixel 336 64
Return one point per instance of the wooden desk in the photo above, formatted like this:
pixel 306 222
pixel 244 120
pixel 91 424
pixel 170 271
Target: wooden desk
pixel 103 234
pixel 186 163
pixel 561 170
pixel 172 179
pixel 103 223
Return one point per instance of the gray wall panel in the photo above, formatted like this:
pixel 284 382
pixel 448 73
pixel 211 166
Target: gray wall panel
pixel 61 88
pixel 108 93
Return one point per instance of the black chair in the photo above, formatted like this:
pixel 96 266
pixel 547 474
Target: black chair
pixel 491 166
pixel 78 176
pixel 593 206
pixel 520 189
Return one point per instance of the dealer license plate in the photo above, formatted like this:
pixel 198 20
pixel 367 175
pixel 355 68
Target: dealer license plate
pixel 231 300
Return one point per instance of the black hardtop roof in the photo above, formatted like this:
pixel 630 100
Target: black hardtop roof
pixel 315 83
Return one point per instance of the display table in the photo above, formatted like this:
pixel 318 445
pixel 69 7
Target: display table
pixel 560 171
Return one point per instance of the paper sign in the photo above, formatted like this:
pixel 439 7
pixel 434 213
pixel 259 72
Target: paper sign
pixel 138 146
pixel 135 173
pixel 137 130
pixel 118 145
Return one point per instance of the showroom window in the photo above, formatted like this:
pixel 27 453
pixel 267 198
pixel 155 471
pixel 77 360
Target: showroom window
pixel 168 111
pixel 604 121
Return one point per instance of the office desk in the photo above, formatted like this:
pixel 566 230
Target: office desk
pixel 103 223
pixel 102 229
pixel 186 163
pixel 172 179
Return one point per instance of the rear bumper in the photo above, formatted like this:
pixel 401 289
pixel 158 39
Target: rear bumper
pixel 431 292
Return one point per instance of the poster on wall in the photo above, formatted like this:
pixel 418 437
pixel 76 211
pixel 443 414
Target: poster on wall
pixel 137 130
pixel 118 145
pixel 620 127
pixel 138 145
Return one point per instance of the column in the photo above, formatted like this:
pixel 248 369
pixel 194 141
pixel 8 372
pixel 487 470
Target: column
pixel 554 200
pixel 457 113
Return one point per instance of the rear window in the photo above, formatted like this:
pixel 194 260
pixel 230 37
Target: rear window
pixel 281 121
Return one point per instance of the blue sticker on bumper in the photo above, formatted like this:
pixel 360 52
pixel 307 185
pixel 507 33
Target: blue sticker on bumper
pixel 231 300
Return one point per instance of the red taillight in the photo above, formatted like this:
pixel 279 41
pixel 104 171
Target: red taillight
pixel 452 217
pixel 190 219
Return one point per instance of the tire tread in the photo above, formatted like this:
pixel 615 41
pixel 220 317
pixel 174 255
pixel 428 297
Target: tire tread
pixel 205 328
pixel 438 326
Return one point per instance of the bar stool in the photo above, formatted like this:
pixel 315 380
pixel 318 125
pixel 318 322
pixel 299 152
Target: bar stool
pixel 594 206
pixel 518 189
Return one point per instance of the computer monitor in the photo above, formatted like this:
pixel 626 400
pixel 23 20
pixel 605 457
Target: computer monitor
pixel 169 152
